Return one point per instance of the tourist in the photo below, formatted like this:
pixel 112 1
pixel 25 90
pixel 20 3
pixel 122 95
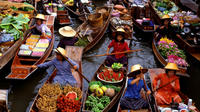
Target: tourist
pixel 119 45
pixel 42 28
pixel 166 93
pixel 68 36
pixel 132 99
pixel 64 75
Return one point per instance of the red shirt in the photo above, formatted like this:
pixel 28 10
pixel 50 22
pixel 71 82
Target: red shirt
pixel 118 47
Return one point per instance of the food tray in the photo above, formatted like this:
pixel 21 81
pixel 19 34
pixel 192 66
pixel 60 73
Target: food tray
pixel 25 52
pixel 109 82
pixel 43 41
pixel 35 36
pixel 37 49
pixel 34 40
pixel 37 54
pixel 43 45
pixel 24 47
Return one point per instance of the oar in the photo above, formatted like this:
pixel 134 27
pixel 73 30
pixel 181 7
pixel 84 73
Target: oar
pixel 72 65
pixel 128 51
pixel 145 86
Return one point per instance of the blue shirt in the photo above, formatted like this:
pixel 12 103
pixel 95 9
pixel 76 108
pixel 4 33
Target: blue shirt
pixel 133 91
pixel 64 74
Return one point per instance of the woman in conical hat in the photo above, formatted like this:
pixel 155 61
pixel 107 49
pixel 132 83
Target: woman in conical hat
pixel 119 45
pixel 68 35
pixel 41 27
pixel 165 94
pixel 64 75
pixel 132 99
pixel 166 29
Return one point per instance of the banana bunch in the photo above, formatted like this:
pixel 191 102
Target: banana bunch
pixel 70 3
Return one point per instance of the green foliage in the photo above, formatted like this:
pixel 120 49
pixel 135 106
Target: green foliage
pixel 117 89
pixel 24 8
pixel 15 25
pixel 96 104
pixel 82 42
pixel 95 82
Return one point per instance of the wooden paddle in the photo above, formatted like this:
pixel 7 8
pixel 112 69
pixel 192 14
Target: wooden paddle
pixel 128 51
pixel 73 66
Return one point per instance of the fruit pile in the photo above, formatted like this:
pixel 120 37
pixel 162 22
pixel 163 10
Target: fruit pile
pixel 100 96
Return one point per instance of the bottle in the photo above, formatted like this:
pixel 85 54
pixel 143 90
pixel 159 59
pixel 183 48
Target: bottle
pixel 189 103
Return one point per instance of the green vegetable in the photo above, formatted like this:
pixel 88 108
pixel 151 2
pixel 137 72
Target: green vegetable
pixel 95 82
pixel 82 42
pixel 15 25
pixel 95 109
pixel 105 100
pixel 117 65
pixel 100 106
pixel 117 89
pixel 94 87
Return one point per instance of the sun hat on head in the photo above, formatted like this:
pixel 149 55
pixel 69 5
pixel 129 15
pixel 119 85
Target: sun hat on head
pixel 166 16
pixel 171 66
pixel 136 68
pixel 120 30
pixel 67 31
pixel 60 50
pixel 40 16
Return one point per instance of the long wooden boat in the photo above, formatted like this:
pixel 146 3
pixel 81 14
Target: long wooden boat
pixel 4 100
pixel 74 53
pixel 192 49
pixel 117 96
pixel 63 17
pixel 21 66
pixel 162 60
pixel 145 13
pixel 96 32
pixel 153 73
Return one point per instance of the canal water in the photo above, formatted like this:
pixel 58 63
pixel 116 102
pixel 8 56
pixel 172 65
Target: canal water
pixel 22 93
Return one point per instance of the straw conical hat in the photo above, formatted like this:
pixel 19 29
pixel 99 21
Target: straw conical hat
pixel 40 16
pixel 136 68
pixel 166 16
pixel 120 30
pixel 67 31
pixel 171 66
pixel 60 50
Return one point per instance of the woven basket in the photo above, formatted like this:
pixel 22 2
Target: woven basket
pixel 105 14
pixel 95 20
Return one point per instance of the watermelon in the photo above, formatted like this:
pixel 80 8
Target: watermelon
pixel 71 95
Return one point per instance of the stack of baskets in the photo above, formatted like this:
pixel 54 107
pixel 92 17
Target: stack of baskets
pixel 95 20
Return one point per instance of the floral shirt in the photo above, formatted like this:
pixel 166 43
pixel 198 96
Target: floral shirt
pixel 118 47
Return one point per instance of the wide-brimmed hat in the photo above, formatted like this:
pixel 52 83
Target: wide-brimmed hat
pixel 67 31
pixel 136 68
pixel 60 50
pixel 120 31
pixel 40 16
pixel 166 16
pixel 171 66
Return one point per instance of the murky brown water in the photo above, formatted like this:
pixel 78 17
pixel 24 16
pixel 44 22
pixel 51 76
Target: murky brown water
pixel 22 93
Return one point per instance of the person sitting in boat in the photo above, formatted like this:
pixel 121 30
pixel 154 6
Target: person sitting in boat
pixel 119 45
pixel 41 28
pixel 69 36
pixel 169 86
pixel 166 29
pixel 132 98
pixel 64 75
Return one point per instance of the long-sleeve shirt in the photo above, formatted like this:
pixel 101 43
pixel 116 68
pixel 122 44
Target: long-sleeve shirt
pixel 118 47
pixel 133 90
pixel 43 28
pixel 64 74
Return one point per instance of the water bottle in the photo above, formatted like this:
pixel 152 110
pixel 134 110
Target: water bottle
pixel 189 102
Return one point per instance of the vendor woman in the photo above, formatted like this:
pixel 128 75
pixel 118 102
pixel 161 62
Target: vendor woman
pixel 68 36
pixel 166 29
pixel 119 45
pixel 41 27
pixel 132 100
pixel 166 93
pixel 64 75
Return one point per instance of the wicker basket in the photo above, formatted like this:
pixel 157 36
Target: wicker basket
pixel 95 20
pixel 104 11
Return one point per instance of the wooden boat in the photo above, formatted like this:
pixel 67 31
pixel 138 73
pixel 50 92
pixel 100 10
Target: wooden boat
pixel 162 60
pixel 74 53
pixel 153 73
pixel 96 33
pixel 155 16
pixel 138 18
pixel 4 100
pixel 21 66
pixel 188 46
pixel 117 96
pixel 63 17
pixel 12 46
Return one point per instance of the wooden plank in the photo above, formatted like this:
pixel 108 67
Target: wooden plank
pixel 196 55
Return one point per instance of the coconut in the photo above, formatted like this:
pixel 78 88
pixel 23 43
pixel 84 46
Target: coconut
pixel 110 92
